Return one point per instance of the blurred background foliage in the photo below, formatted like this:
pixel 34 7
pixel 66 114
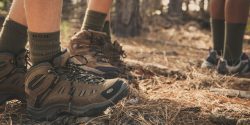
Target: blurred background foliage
pixel 134 16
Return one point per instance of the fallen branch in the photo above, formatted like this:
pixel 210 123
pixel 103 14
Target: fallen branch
pixel 222 120
pixel 232 92
pixel 155 68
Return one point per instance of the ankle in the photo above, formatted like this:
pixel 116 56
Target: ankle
pixel 44 46
pixel 13 37
pixel 94 20
pixel 233 62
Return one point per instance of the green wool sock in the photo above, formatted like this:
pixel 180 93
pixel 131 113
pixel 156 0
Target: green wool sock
pixel 106 28
pixel 43 46
pixel 218 31
pixel 94 20
pixel 233 42
pixel 13 37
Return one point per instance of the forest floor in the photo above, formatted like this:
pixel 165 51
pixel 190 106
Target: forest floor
pixel 168 85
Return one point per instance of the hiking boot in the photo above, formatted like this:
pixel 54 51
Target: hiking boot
pixel 61 86
pixel 242 68
pixel 103 57
pixel 12 75
pixel 211 61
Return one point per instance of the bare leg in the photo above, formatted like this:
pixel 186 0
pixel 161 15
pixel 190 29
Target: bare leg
pixel 17 12
pixel 43 15
pixel 217 9
pixel 100 5
pixel 43 18
pixel 236 11
pixel 217 24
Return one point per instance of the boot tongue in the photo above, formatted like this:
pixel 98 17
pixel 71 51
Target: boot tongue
pixel 62 59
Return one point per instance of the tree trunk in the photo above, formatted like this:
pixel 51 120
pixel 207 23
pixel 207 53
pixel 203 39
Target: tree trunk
pixel 148 7
pixel 127 20
pixel 203 13
pixel 175 7
pixel 187 2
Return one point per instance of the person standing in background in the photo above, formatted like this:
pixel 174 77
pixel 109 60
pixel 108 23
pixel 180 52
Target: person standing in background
pixel 228 23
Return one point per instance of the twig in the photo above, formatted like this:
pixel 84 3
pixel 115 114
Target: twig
pixel 155 68
pixel 232 92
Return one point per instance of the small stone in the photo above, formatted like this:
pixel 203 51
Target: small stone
pixel 133 101
pixel 107 111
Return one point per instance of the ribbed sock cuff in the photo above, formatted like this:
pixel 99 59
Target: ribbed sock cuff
pixel 13 37
pixel 94 20
pixel 44 46
pixel 55 36
pixel 18 28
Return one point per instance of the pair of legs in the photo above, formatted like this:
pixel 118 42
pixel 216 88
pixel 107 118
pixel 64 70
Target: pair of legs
pixel 228 22
pixel 43 21
pixel 57 81
pixel 229 19
pixel 45 17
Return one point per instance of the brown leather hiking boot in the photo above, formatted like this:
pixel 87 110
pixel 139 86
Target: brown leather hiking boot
pixel 61 86
pixel 100 52
pixel 12 74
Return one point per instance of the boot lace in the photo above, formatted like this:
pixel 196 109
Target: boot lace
pixel 117 53
pixel 106 51
pixel 27 59
pixel 74 72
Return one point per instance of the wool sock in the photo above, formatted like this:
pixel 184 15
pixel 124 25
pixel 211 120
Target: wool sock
pixel 44 46
pixel 106 28
pixel 94 20
pixel 233 42
pixel 218 31
pixel 13 37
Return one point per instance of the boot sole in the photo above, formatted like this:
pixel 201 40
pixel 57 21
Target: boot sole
pixel 52 112
pixel 4 97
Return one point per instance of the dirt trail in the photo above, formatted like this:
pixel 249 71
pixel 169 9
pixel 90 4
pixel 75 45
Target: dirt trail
pixel 183 50
pixel 168 86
